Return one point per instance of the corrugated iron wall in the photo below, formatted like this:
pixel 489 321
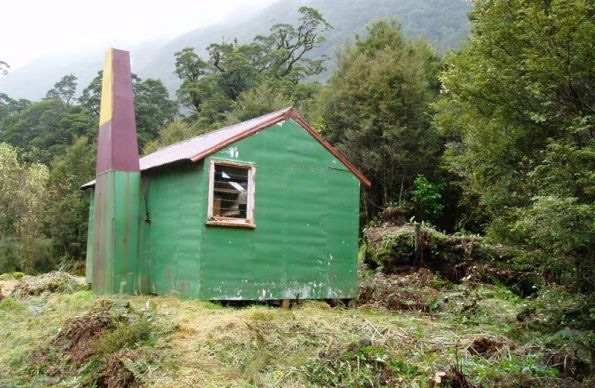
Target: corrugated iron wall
pixel 116 218
pixel 89 259
pixel 306 213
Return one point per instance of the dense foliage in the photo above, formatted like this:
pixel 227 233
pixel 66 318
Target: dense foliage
pixel 375 110
pixel 46 153
pixel 517 110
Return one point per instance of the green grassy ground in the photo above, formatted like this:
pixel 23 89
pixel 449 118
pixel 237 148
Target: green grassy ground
pixel 187 343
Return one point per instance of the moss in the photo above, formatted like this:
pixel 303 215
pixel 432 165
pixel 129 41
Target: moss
pixel 392 248
pixel 11 276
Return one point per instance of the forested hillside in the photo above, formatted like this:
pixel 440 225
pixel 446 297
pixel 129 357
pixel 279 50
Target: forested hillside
pixel 479 224
pixel 442 22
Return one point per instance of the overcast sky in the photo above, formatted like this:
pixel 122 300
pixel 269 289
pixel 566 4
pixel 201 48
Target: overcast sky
pixel 30 29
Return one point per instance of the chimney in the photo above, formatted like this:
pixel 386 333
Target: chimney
pixel 117 189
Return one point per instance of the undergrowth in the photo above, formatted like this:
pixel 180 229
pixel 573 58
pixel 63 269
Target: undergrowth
pixel 446 335
pixel 112 345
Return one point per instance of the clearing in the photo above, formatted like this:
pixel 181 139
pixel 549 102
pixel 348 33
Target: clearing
pixel 439 334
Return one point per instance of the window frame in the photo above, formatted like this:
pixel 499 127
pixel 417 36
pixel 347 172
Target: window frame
pixel 247 222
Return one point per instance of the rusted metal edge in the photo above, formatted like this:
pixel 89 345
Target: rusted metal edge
pixel 293 115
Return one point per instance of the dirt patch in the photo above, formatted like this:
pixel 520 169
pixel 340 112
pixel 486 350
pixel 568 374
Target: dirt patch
pixel 108 347
pixel 47 283
pixel 485 346
pixel 569 362
pixel 76 340
pixel 116 373
pixel 455 378
pixel 409 291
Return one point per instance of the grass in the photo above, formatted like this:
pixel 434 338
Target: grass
pixel 310 345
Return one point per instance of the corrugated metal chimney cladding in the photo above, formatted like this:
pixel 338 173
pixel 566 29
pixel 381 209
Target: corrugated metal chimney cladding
pixel 117 147
pixel 115 266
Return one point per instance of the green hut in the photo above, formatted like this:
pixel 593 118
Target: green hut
pixel 261 210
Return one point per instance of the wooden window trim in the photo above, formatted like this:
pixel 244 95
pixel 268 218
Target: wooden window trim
pixel 233 222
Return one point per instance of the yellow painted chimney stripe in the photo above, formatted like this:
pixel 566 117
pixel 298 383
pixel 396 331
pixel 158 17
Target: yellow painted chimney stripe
pixel 105 112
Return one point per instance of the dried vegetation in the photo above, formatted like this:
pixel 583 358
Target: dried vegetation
pixel 414 326
pixel 56 281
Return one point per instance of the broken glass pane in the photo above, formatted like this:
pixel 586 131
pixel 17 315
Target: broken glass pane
pixel 230 191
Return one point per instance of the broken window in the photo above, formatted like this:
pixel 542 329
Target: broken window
pixel 231 194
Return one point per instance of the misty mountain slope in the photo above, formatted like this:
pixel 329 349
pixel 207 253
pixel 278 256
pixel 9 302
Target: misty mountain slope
pixel 32 81
pixel 441 22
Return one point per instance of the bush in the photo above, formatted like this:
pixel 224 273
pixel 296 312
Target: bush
pixel 10 260
pixel 558 235
pixel 427 199
pixel 28 255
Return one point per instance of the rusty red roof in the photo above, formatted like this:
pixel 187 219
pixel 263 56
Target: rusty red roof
pixel 199 147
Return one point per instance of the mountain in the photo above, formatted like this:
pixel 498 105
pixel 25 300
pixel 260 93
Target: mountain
pixel 32 81
pixel 442 22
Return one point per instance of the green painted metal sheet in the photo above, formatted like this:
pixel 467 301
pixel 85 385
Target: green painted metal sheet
pixel 174 199
pixel 115 232
pixel 89 258
pixel 306 214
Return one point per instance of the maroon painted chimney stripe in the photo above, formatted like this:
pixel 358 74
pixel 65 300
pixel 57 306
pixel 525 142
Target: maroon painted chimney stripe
pixel 117 142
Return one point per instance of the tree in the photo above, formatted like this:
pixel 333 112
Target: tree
pixel 427 199
pixel 233 66
pixel 211 87
pixel 22 200
pixel 8 107
pixel 190 68
pixel 283 53
pixel 46 128
pixel 65 89
pixel 67 207
pixel 90 98
pixel 517 107
pixel 174 132
pixel 4 68
pixel 152 106
pixel 374 109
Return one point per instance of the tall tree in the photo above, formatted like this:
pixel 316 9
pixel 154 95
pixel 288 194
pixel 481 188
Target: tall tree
pixel 153 108
pixel 210 87
pixel 190 68
pixel 283 53
pixel 374 109
pixel 65 89
pixel 90 98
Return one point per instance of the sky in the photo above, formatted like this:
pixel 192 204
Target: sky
pixel 30 29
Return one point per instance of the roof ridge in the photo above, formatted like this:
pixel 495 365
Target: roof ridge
pixel 284 110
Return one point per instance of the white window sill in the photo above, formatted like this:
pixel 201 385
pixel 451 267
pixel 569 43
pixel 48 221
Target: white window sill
pixel 232 223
